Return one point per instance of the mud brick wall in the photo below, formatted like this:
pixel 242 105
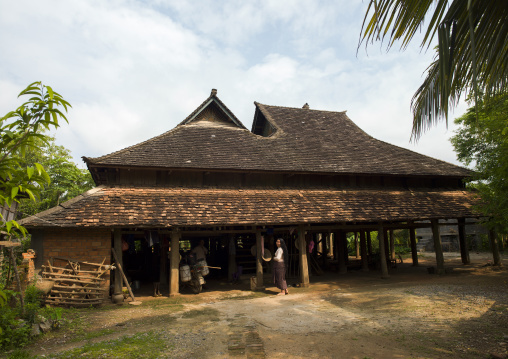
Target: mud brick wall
pixel 88 245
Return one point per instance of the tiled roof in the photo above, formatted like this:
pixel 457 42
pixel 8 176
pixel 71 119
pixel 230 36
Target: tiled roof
pixel 151 207
pixel 305 141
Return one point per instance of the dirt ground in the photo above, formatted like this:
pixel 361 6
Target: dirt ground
pixel 412 314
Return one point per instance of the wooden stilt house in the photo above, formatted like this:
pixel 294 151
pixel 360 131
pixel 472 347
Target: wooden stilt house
pixel 300 173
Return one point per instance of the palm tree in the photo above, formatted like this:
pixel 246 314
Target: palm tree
pixel 472 50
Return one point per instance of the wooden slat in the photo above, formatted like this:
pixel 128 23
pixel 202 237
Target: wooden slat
pixel 81 288
pixel 74 260
pixel 76 276
pixel 68 280
pixel 78 294
pixel 81 271
pixel 9 244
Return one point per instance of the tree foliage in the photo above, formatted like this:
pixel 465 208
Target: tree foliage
pixel 472 49
pixel 482 141
pixel 66 179
pixel 19 131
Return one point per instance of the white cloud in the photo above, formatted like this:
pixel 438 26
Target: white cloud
pixel 134 69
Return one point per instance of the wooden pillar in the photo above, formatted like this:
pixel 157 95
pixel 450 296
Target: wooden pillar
pixel 495 248
pixel 392 245
pixel 231 257
pixel 336 246
pixel 326 248
pixel 369 244
pixel 259 261
pixel 437 247
pixel 319 244
pixel 387 245
pixel 341 238
pixel 346 249
pixel 164 263
pixel 464 250
pixel 117 244
pixel 357 246
pixel 382 254
pixel 363 249
pixel 412 239
pixel 174 263
pixel 331 238
pixel 304 268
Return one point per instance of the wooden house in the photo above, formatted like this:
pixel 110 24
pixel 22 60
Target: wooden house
pixel 299 171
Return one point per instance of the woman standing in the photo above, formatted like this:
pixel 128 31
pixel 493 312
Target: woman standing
pixel 280 262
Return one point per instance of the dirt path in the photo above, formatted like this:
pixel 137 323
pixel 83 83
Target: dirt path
pixel 412 314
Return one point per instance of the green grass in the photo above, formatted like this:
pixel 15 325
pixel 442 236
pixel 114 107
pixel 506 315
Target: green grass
pixel 201 312
pixel 20 354
pixel 142 345
pixel 97 334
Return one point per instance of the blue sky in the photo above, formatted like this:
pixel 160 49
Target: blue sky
pixel 135 69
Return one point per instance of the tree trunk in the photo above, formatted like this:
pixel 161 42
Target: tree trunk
pixel 15 267
pixel 494 247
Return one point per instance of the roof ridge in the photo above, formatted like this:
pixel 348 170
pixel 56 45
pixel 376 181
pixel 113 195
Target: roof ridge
pixel 299 108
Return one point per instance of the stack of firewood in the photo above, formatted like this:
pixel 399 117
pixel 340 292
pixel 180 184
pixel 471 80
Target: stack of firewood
pixel 76 283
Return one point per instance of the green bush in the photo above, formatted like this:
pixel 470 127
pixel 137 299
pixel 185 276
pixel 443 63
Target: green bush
pixel 33 299
pixel 14 330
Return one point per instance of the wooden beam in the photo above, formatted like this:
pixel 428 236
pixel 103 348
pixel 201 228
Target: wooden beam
pixel 231 257
pixel 386 245
pixel 311 227
pixel 438 247
pixel 414 252
pixel 119 269
pixel 304 269
pixel 392 245
pixel 10 244
pixel 363 250
pixel 174 263
pixel 357 246
pixel 117 246
pixel 369 244
pixel 259 260
pixel 464 250
pixel 382 254
pixel 341 238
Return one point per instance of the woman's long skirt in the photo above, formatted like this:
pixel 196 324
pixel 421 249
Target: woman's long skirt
pixel 279 275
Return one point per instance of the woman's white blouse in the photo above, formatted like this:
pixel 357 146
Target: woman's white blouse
pixel 278 255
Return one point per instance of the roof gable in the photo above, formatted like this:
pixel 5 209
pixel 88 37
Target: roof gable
pixel 213 110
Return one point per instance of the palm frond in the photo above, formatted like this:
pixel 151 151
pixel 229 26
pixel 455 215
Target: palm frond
pixel 460 64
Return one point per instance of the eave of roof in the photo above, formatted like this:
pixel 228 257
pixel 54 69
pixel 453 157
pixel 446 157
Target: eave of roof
pixel 151 207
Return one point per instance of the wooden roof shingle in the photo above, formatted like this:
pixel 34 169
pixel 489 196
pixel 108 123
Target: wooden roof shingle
pixel 151 207
pixel 305 140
